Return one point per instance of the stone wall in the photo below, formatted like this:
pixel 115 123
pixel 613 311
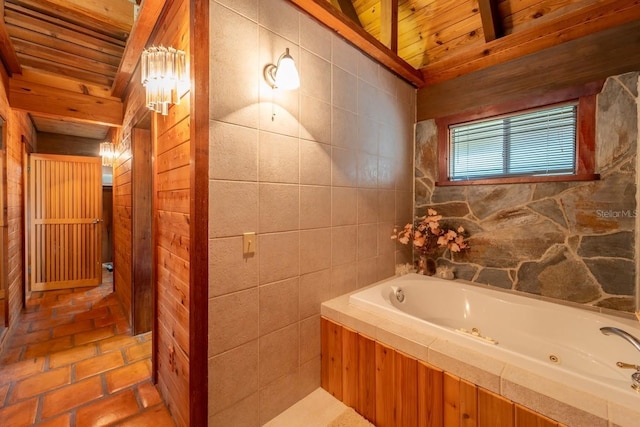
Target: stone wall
pixel 569 241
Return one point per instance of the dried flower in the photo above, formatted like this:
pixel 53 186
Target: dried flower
pixel 428 236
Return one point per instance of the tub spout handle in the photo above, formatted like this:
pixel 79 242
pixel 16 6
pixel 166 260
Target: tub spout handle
pixel 627 366
pixel 608 330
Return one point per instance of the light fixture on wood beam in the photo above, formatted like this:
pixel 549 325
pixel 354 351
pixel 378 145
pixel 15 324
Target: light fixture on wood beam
pixel 284 74
pixel 108 153
pixel 163 74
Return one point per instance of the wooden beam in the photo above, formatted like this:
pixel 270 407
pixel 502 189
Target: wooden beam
pixel 491 24
pixel 60 104
pixel 199 211
pixel 340 23
pixel 7 52
pixel 140 33
pixel 389 24
pixel 346 7
pixel 590 19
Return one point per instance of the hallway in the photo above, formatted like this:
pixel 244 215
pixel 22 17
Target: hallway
pixel 70 361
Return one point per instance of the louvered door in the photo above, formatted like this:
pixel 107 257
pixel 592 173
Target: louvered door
pixel 65 211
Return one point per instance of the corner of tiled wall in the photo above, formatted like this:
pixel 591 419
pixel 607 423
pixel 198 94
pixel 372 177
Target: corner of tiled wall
pixel 321 174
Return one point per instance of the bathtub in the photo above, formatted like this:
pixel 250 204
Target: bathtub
pixel 552 340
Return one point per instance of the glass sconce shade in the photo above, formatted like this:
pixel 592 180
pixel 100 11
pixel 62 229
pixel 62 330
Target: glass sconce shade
pixel 284 75
pixel 108 153
pixel 163 72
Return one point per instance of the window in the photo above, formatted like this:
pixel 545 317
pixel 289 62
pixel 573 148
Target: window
pixel 534 143
pixel 549 137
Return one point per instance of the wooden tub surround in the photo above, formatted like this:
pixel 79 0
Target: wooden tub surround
pixel 395 376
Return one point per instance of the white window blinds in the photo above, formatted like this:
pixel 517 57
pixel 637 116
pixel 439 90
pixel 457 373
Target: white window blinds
pixel 535 143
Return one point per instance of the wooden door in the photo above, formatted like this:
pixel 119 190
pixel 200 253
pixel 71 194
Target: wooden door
pixel 65 212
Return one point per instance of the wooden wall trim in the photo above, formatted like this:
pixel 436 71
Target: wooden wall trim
pixel 324 12
pixel 199 206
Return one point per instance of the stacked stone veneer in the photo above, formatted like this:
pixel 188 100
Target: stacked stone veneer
pixel 573 241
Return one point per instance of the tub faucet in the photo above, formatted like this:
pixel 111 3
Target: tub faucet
pixel 608 330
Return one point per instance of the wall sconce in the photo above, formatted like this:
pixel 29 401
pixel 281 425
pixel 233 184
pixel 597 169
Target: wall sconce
pixel 284 75
pixel 108 153
pixel 163 71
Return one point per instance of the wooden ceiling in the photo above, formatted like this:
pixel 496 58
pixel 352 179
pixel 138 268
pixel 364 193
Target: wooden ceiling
pixel 71 60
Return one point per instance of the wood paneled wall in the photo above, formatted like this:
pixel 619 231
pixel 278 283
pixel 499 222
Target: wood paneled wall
pixel 19 129
pixel 177 167
pixel 122 236
pixel 53 143
pixel 392 389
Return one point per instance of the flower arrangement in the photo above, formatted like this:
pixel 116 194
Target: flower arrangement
pixel 428 236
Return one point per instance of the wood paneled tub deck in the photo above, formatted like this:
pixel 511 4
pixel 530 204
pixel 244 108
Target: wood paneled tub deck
pixel 399 370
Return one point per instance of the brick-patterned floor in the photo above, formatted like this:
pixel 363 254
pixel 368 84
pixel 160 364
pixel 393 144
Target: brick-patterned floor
pixel 71 362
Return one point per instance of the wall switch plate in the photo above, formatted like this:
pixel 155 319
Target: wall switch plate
pixel 249 243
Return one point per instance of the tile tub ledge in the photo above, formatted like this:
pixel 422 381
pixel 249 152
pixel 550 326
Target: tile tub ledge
pixel 558 401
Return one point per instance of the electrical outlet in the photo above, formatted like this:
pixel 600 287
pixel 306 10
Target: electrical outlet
pixel 249 243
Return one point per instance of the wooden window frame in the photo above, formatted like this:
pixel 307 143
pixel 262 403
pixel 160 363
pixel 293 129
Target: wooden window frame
pixel 584 95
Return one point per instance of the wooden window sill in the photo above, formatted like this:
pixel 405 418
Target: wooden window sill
pixel 522 180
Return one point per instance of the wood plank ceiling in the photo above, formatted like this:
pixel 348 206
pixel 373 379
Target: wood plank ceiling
pixel 75 45
pixel 70 60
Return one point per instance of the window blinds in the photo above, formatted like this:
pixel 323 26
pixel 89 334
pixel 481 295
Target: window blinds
pixel 537 143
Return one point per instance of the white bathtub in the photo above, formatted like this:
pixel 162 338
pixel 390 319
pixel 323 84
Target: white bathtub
pixel 555 341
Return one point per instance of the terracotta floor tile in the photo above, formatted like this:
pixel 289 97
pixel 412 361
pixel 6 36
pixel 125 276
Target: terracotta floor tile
pixel 128 375
pixel 20 414
pixel 148 394
pixel 30 338
pixel 99 364
pixel 71 309
pixel 153 417
pixel 92 314
pixel 73 328
pixel 41 383
pixel 94 335
pixel 48 347
pixel 108 410
pixel 122 327
pixel 116 343
pixel 107 301
pixel 62 400
pixel 36 315
pixel 11 355
pixel 63 420
pixel 4 389
pixel 138 351
pixel 105 320
pixel 71 355
pixel 48 323
pixel 20 370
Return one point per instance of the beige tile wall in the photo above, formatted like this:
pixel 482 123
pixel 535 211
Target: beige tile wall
pixel 321 174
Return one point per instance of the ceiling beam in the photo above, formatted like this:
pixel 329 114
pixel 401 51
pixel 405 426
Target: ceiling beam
pixel 340 23
pixel 491 24
pixel 140 33
pixel 590 19
pixel 7 52
pixel 389 24
pixel 54 103
pixel 346 6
